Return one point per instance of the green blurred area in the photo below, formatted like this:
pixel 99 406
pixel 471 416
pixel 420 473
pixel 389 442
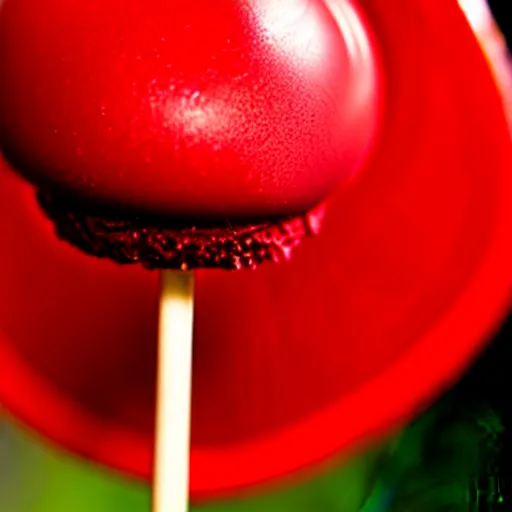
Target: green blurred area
pixel 437 464
pixel 38 477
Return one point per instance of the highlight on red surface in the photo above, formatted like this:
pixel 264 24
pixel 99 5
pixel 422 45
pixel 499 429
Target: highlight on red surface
pixel 192 110
pixel 298 362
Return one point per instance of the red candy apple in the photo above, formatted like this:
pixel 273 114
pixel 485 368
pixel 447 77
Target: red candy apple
pixel 296 363
pixel 206 110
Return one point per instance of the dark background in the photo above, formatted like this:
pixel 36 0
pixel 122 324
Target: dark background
pixel 489 382
pixel 502 10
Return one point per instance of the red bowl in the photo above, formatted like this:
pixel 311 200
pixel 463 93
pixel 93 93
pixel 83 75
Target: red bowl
pixel 298 362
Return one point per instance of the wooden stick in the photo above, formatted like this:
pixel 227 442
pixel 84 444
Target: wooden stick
pixel 171 470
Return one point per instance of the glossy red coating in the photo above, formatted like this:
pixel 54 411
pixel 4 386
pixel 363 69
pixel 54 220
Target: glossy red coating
pixel 293 363
pixel 194 109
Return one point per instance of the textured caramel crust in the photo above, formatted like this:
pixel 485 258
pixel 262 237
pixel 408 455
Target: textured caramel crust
pixel 139 241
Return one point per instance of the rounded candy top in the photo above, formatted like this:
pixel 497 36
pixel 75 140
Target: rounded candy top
pixel 233 109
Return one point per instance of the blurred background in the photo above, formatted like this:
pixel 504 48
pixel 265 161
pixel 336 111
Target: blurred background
pixel 455 458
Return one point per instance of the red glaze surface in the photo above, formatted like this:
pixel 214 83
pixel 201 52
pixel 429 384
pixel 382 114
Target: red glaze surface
pixel 232 109
pixel 293 363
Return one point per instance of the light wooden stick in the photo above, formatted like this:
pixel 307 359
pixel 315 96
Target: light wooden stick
pixel 171 470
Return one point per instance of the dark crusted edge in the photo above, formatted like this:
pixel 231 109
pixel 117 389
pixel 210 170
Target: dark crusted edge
pixel 137 241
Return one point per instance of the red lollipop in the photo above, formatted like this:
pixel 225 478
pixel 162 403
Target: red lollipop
pixel 419 246
pixel 185 135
